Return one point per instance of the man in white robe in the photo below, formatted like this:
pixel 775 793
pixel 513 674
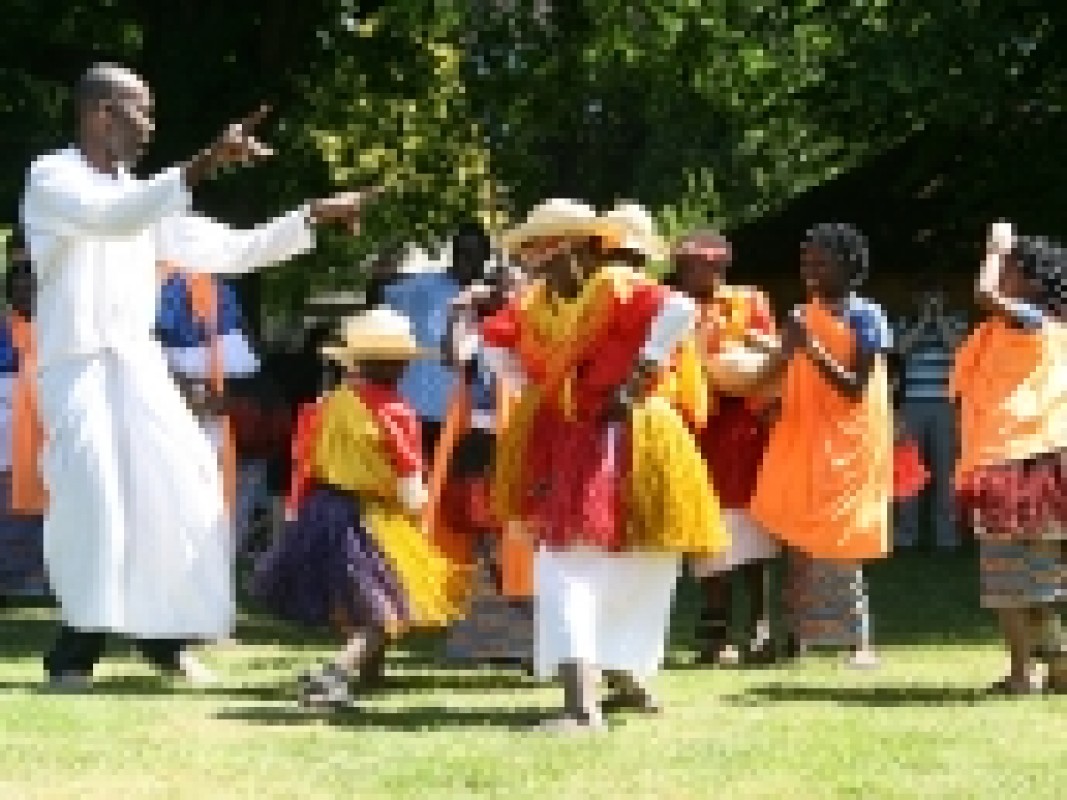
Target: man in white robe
pixel 135 538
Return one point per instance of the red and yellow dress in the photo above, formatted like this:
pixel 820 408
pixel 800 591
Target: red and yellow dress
pixel 1011 383
pixel 611 503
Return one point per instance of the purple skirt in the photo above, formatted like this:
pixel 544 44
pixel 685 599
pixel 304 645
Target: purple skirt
pixel 326 568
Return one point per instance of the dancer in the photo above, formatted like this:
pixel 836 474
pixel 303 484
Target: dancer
pixel 135 532
pixel 732 441
pixel 355 555
pixel 1010 379
pixel 609 482
pixel 23 494
pixel 825 482
pixel 498 627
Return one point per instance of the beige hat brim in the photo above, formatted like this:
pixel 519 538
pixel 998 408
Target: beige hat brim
pixel 347 354
pixel 530 231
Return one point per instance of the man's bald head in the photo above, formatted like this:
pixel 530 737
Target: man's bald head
pixel 115 114
pixel 105 82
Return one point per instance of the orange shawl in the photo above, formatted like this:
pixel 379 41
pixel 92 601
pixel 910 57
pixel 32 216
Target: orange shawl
pixel 1012 389
pixel 825 482
pixel 28 493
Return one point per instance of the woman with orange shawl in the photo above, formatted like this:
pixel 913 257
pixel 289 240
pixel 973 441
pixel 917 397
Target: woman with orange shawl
pixel 607 480
pixel 825 483
pixel 1010 379
pixel 23 495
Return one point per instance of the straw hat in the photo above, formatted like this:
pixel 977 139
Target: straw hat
pixel 380 334
pixel 640 230
pixel 560 217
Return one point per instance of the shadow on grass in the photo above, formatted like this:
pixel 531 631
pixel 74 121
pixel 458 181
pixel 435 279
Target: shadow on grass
pixel 872 696
pixel 404 719
pixel 142 687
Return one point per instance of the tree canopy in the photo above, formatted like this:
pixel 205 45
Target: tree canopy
pixel 705 110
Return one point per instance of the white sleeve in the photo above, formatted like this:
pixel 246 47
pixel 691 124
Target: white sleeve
pixel 60 200
pixel 504 365
pixel 200 244
pixel 675 320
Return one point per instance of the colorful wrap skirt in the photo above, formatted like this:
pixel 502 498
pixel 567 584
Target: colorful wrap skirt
pixel 22 571
pixel 1018 500
pixel 826 601
pixel 341 563
pixel 1021 574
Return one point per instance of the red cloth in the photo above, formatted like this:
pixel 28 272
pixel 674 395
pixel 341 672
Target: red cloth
pixel 467 505
pixel 732 444
pixel 308 424
pixel 735 436
pixel 575 470
pixel 910 475
pixel 603 361
pixel 1017 499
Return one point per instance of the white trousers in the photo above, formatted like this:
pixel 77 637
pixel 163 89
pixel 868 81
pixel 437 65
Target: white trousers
pixel 610 610
pixel 136 538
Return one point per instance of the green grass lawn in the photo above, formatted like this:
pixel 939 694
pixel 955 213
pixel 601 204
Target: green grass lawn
pixel 918 727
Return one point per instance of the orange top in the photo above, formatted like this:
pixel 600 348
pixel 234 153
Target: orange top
pixel 1012 389
pixel 28 493
pixel 825 482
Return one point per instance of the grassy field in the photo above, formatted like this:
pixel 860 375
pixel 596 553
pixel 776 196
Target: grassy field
pixel 920 726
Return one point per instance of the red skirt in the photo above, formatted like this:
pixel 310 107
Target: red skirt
pixel 574 481
pixel 732 444
pixel 1023 499
pixel 910 475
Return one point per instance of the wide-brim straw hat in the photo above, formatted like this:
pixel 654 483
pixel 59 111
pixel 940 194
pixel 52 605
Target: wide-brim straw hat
pixel 380 334
pixel 561 218
pixel 640 230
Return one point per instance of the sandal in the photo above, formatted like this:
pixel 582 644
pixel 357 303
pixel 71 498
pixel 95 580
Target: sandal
pixel 324 688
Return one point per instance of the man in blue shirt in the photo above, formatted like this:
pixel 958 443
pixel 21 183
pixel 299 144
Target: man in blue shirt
pixel 926 346
pixel 425 300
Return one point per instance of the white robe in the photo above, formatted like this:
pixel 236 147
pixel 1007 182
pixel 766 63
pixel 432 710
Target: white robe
pixel 136 535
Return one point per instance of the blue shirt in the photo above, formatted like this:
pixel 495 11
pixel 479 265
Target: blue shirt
pixel 927 365
pixel 424 300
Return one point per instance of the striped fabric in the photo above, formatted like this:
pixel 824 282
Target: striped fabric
pixel 928 364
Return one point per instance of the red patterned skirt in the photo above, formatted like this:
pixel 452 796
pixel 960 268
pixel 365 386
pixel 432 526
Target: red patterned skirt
pixel 1024 499
pixel 732 444
pixel 574 481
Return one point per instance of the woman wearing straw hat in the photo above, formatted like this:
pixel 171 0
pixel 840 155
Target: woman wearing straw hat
pixel 607 480
pixel 355 555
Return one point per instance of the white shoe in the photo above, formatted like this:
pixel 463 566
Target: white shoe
pixel 195 671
